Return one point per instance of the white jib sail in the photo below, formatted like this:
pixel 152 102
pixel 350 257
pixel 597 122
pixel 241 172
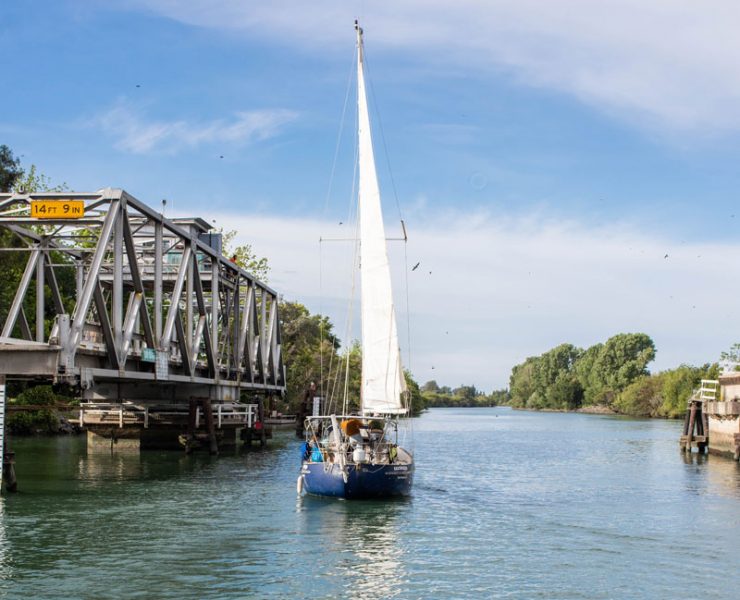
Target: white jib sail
pixel 382 374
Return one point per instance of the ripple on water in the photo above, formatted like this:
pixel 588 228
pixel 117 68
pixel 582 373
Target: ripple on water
pixel 506 504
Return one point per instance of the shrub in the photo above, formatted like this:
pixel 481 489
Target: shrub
pixel 29 422
pixel 41 395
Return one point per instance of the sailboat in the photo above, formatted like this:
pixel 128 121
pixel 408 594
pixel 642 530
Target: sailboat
pixel 358 455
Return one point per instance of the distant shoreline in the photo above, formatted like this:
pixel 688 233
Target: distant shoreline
pixel 588 410
pixel 593 410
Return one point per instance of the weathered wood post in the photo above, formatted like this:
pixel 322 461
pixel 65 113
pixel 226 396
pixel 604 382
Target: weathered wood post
pixel 705 426
pixel 686 423
pixel 7 467
pixel 210 426
pixel 261 419
pixel 692 421
pixel 192 416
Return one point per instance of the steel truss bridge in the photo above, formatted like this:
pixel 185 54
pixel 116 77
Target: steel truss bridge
pixel 126 306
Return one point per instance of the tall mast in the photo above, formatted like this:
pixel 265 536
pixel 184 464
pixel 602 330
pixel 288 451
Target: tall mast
pixel 382 375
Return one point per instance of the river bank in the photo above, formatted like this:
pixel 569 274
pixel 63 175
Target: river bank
pixel 592 410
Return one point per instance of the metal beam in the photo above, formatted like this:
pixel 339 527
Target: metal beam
pixel 182 341
pixel 136 278
pixel 83 302
pixel 125 255
pixel 108 337
pixel 40 298
pixel 215 305
pixel 20 293
pixel 25 327
pixel 175 299
pixel 158 258
pixel 201 302
pixel 117 295
pixel 56 295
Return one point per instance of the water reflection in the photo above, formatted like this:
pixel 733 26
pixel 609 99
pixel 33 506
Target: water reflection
pixel 100 469
pixel 6 567
pixel 693 458
pixel 363 538
pixel 723 476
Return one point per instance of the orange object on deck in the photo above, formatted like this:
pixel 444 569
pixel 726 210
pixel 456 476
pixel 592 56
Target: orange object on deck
pixel 351 426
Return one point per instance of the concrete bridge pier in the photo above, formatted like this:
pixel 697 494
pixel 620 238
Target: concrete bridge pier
pixel 724 418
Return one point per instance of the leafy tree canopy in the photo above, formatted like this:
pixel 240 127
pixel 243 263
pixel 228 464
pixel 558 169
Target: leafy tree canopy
pixel 32 181
pixel 567 377
pixel 245 257
pixel 10 169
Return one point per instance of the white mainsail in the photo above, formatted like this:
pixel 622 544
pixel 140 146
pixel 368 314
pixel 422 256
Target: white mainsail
pixel 382 374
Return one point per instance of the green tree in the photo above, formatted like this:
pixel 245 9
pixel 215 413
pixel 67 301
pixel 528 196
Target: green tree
pixel 641 398
pixel 587 378
pixel 556 383
pixel 32 181
pixel 245 257
pixel 522 383
pixel 547 381
pixel 732 357
pixel 305 337
pixel 461 396
pixel 566 377
pixel 678 386
pixel 664 394
pixel 466 393
pixel 430 386
pixel 622 359
pixel 10 169
pixel 416 399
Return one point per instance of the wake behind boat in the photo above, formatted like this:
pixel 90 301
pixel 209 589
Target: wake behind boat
pixel 359 456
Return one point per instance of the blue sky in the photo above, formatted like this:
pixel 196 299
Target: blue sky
pixel 546 156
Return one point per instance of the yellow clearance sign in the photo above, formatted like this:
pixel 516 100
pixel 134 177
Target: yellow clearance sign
pixel 57 209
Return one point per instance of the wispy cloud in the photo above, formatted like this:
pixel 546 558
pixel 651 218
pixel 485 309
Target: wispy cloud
pixel 134 133
pixel 668 64
pixel 489 291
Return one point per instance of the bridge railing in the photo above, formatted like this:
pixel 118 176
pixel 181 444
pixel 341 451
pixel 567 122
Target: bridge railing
pixel 706 392
pixel 125 414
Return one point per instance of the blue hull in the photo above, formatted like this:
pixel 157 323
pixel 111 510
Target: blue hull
pixel 363 481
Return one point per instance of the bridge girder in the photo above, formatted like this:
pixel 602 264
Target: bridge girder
pixel 137 300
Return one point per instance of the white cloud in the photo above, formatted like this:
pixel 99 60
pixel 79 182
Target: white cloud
pixel 138 135
pixel 667 63
pixel 503 289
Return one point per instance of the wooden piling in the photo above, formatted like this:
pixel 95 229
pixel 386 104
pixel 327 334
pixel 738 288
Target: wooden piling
pixel 8 458
pixel 690 432
pixel 696 428
pixel 210 425
pixel 192 416
pixel 9 479
pixel 686 423
pixel 261 418
pixel 699 421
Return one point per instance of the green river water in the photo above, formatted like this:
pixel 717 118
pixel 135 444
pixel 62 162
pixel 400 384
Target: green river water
pixel 506 504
